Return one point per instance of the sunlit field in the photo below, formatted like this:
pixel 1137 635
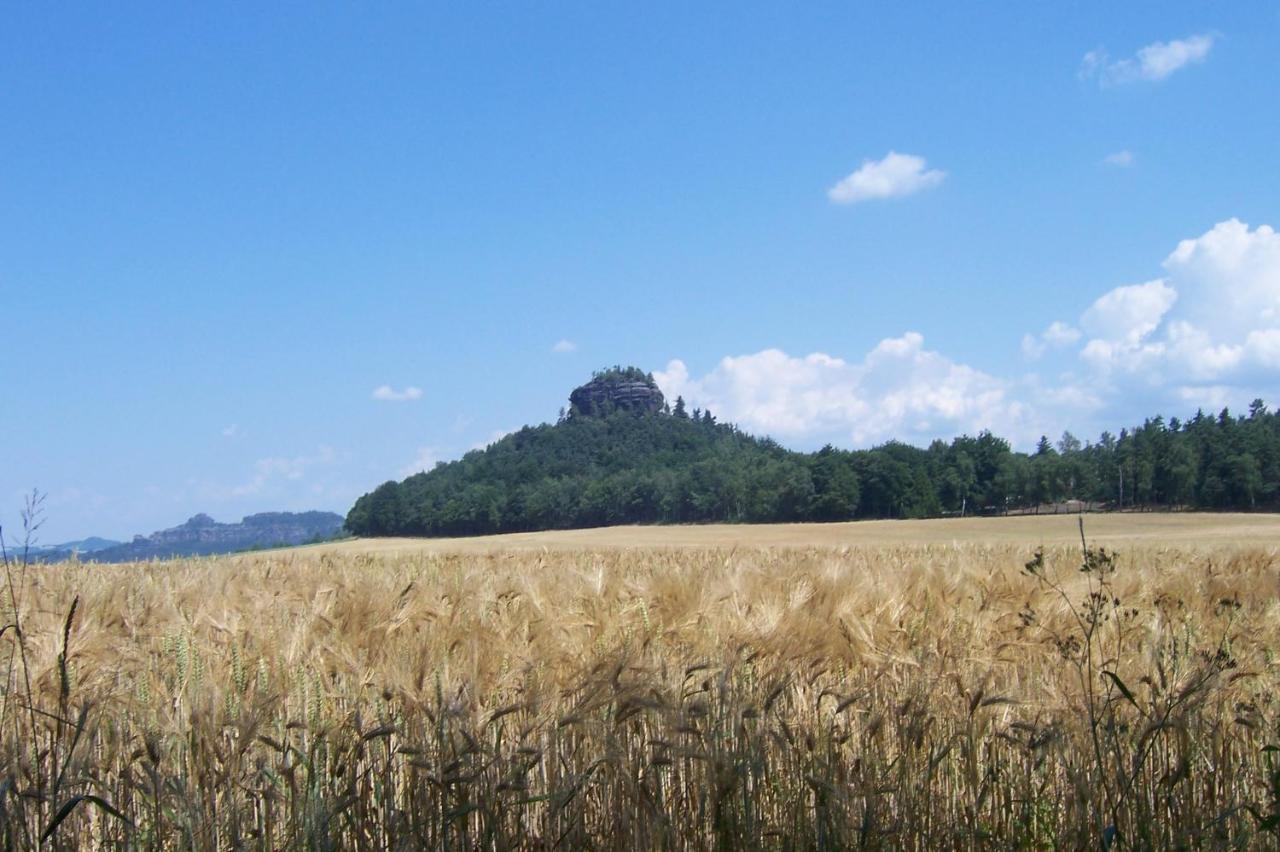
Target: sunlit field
pixel 600 690
pixel 1190 529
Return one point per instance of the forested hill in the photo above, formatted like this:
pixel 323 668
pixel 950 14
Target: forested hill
pixel 624 455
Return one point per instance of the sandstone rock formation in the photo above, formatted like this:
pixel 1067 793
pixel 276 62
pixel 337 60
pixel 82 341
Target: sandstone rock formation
pixel 202 535
pixel 605 393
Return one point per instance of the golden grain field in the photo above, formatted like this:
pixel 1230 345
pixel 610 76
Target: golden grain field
pixel 890 695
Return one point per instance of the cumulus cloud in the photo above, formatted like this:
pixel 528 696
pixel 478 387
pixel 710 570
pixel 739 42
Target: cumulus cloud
pixel 1056 336
pixel 564 347
pixel 900 389
pixel 1152 63
pixel 1120 159
pixel 1128 314
pixel 895 175
pixel 1211 324
pixel 386 393
pixel 1228 278
pixel 1206 333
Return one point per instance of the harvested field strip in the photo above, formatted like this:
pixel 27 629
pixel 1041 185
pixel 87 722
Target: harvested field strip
pixel 1193 530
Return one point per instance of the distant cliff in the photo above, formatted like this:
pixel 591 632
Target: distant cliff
pixel 202 535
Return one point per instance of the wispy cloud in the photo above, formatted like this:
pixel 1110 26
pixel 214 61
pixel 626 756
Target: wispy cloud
pixel 1120 159
pixel 564 346
pixel 231 431
pixel 386 393
pixel 424 461
pixel 1152 63
pixel 1056 336
pixel 894 176
pixel 277 468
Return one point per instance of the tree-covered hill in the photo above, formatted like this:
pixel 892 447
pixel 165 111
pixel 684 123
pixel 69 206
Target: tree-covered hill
pixel 630 457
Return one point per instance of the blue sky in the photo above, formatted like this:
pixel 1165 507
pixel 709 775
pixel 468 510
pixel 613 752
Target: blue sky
pixel 221 232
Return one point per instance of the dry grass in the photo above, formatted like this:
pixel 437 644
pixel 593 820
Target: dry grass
pixel 933 696
pixel 1189 529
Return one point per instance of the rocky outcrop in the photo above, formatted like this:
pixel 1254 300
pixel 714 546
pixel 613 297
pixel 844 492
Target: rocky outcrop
pixel 604 394
pixel 202 536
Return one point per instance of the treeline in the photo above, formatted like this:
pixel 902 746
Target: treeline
pixel 629 468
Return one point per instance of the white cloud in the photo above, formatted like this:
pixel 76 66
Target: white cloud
pixel 386 393
pixel 1263 347
pixel 1199 357
pixel 1060 334
pixel 1207 334
pixel 271 470
pixel 564 346
pixel 1209 397
pixel 1152 63
pixel 1212 324
pixel 424 461
pixel 899 389
pixel 1159 60
pixel 1128 314
pixel 231 431
pixel 1056 336
pixel 896 175
pixel 1228 279
pixel 1093 63
pixel 1120 159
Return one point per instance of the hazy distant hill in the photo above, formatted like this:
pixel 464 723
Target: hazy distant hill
pixel 202 535
pixel 92 544
pixel 86 545
pixel 60 552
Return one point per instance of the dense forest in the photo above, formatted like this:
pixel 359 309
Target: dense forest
pixel 621 465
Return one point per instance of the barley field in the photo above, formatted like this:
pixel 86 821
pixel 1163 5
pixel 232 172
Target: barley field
pixel 1015 691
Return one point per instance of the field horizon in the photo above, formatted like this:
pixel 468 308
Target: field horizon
pixel 1184 529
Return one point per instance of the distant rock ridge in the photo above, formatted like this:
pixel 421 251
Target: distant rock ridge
pixel 628 390
pixel 201 535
